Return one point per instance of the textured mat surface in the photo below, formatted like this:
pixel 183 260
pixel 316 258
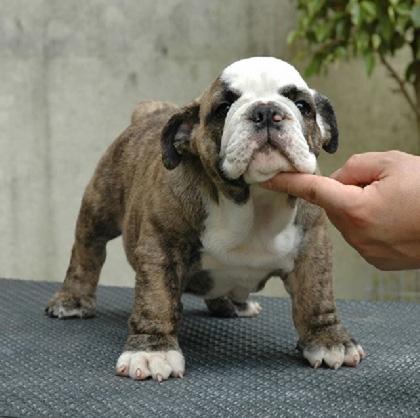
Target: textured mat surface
pixel 235 367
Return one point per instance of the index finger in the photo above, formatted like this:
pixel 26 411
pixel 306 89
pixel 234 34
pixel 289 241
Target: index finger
pixel 322 191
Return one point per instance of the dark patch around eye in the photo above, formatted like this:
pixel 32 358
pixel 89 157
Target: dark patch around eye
pixel 304 99
pixel 222 109
pixel 290 91
pixel 304 107
pixel 222 105
pixel 230 96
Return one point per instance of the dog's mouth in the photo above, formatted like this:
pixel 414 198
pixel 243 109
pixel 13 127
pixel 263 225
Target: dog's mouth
pixel 259 155
pixel 267 161
pixel 269 156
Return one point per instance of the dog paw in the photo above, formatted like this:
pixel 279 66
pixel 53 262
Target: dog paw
pixel 225 307
pixel 333 354
pixel 248 309
pixel 140 365
pixel 65 305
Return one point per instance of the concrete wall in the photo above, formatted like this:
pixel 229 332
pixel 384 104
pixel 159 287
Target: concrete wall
pixel 71 73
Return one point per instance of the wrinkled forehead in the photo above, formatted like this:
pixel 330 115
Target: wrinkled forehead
pixel 261 76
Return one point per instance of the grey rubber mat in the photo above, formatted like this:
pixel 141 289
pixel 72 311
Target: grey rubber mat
pixel 235 367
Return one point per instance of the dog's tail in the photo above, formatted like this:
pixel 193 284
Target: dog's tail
pixel 148 107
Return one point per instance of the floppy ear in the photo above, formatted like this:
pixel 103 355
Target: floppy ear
pixel 327 122
pixel 176 135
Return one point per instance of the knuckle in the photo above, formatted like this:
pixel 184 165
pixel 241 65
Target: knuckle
pixel 390 157
pixel 352 164
pixel 353 160
pixel 394 153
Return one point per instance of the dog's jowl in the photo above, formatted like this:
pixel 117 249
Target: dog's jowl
pixel 181 185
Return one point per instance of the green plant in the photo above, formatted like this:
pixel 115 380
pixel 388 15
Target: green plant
pixel 374 30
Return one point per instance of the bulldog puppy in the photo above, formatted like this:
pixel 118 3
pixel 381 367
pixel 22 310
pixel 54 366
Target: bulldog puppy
pixel 181 187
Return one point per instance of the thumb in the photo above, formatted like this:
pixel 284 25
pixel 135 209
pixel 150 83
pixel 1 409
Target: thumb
pixel 322 191
pixel 361 169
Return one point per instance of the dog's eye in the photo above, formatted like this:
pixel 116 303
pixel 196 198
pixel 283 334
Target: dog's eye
pixel 303 107
pixel 223 108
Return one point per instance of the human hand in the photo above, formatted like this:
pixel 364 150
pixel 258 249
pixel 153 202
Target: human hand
pixel 373 200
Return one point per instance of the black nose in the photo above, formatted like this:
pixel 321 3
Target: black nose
pixel 266 114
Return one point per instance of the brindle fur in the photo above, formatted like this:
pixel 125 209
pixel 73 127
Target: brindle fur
pixel 131 194
pixel 310 285
pixel 160 214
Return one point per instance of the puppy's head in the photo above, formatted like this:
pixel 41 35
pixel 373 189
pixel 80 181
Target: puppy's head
pixel 258 118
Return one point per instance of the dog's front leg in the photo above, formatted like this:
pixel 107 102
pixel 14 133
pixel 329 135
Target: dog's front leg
pixel 322 337
pixel 152 346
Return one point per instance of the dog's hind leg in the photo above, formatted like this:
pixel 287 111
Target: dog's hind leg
pixel 97 223
pixel 225 307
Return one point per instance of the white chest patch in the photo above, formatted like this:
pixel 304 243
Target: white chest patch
pixel 242 244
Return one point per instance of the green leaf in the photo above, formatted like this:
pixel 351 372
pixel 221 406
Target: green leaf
pixel 369 10
pixel 397 42
pixel 385 29
pixel 369 60
pixel 391 14
pixel 314 7
pixel 292 36
pixel 305 22
pixel 314 66
pixel 401 23
pixel 341 29
pixel 338 29
pixel 355 12
pixel 415 15
pixel 410 73
pixel 362 42
pixel 323 31
pixel 403 9
pixel 341 52
pixel 376 41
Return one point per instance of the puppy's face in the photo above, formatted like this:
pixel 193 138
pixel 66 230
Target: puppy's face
pixel 257 119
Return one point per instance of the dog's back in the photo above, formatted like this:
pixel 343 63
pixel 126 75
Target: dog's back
pixel 130 159
pixel 150 109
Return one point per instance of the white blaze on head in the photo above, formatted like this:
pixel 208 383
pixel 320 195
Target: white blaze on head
pixel 259 79
pixel 260 76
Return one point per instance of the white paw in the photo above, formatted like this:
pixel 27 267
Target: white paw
pixel 336 356
pixel 68 313
pixel 139 365
pixel 65 305
pixel 252 309
pixel 62 312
